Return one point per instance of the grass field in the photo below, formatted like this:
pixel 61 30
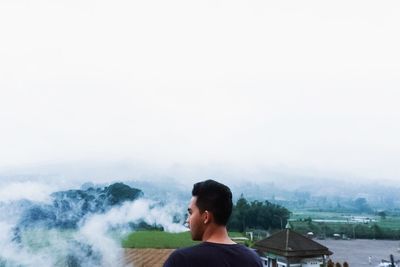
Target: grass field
pixel 297 215
pixel 352 225
pixel 159 239
pixel 322 224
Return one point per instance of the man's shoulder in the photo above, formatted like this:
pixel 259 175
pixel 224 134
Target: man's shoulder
pixel 187 250
pixel 236 254
pixel 182 256
pixel 214 253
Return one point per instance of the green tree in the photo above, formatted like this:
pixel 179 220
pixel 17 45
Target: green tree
pixel 257 214
pixel 382 214
pixel 376 231
pixel 119 192
pixel 242 207
pixel 361 205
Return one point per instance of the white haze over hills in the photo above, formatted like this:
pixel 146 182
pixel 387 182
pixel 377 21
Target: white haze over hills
pixel 175 182
pixel 275 99
pixel 29 238
pixel 300 88
pixel 94 243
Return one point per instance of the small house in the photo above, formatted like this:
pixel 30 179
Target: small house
pixel 288 248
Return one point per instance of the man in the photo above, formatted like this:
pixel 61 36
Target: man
pixel 209 211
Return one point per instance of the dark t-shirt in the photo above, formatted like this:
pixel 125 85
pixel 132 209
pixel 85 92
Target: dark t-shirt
pixel 209 254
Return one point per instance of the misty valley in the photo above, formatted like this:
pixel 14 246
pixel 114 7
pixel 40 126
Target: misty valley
pixel 79 227
pixel 91 226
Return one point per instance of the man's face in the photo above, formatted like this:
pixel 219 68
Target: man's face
pixel 195 220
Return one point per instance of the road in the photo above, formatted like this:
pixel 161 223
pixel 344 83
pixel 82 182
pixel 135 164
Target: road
pixel 357 251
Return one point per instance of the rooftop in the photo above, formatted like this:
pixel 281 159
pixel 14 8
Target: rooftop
pixel 148 257
pixel 289 243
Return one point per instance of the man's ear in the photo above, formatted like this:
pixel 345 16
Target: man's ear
pixel 208 217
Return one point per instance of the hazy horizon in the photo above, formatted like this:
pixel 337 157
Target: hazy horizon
pixel 200 89
pixel 76 173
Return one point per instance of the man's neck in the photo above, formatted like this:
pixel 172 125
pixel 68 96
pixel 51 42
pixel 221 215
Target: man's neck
pixel 217 234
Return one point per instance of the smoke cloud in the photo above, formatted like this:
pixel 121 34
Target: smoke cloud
pixel 29 238
pixel 28 190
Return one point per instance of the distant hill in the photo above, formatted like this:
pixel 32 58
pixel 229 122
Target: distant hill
pixel 69 207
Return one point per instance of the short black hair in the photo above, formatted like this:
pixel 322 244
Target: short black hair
pixel 214 197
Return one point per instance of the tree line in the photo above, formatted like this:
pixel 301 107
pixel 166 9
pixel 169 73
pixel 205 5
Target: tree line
pixel 257 215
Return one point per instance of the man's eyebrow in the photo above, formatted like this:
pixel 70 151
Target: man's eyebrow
pixel 189 210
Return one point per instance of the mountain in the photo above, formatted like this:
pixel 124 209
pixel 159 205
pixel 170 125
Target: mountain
pixel 69 207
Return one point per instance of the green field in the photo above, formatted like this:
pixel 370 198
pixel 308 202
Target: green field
pixel 159 239
pixel 367 226
pixel 322 224
pixel 297 215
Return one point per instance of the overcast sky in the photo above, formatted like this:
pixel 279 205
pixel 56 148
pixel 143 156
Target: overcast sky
pixel 304 85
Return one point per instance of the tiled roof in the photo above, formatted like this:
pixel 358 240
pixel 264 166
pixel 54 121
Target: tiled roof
pixel 148 257
pixel 288 243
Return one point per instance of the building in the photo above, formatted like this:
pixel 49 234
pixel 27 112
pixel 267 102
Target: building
pixel 287 248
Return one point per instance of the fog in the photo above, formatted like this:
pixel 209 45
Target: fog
pixel 29 238
pixel 304 88
pixel 259 95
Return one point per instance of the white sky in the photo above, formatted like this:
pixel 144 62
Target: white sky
pixel 311 85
